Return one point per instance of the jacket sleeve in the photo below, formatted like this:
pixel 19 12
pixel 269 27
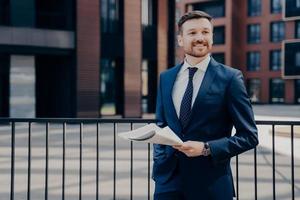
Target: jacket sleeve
pixel 242 117
pixel 159 150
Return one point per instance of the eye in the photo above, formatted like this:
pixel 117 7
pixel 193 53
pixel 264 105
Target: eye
pixel 205 32
pixel 192 33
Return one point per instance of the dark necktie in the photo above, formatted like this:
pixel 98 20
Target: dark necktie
pixel 186 103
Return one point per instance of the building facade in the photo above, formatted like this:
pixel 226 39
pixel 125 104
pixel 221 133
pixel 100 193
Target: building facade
pixel 249 35
pixel 81 58
pixel 100 58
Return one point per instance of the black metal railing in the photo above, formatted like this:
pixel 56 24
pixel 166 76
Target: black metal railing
pixel 103 133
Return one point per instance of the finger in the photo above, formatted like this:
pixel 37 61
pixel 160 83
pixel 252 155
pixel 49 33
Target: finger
pixel 183 150
pixel 176 146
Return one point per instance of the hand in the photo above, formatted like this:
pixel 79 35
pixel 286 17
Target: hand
pixel 191 148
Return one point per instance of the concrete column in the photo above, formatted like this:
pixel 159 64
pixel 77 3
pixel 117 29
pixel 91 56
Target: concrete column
pixel 22 86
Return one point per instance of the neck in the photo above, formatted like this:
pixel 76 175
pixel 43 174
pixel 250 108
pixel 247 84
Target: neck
pixel 194 60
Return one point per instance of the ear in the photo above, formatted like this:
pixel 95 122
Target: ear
pixel 180 40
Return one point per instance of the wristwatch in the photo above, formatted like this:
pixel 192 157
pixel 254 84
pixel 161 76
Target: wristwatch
pixel 206 149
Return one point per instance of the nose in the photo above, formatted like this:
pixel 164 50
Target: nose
pixel 199 37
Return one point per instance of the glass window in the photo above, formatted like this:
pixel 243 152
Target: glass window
pixel 55 14
pixel 254 89
pixel 219 35
pixel 253 61
pixel 277 90
pixel 110 15
pixel 297 29
pixel 254 7
pixel 292 8
pixel 297 91
pixel 220 57
pixel 297 59
pixel 147 18
pixel 4 12
pixel 145 86
pixel 275 60
pixel 253 33
pixel 108 94
pixel 276 6
pixel 4 84
pixel 277 31
pixel 291 59
pixel 214 8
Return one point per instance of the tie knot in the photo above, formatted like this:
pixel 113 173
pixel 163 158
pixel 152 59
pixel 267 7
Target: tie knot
pixel 192 71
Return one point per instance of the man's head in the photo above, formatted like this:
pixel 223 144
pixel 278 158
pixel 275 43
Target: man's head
pixel 195 33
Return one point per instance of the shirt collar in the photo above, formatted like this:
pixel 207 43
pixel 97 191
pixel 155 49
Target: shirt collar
pixel 202 66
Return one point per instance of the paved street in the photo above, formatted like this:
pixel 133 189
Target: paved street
pixel 140 157
pixel 278 111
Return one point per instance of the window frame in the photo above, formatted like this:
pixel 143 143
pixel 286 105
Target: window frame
pixel 254 33
pixel 272 64
pixel 256 61
pixel 279 34
pixel 254 8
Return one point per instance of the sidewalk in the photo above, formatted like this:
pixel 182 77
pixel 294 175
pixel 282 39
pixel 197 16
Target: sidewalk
pixel 278 112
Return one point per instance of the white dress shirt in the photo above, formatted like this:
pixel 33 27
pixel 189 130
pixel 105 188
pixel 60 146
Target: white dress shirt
pixel 182 81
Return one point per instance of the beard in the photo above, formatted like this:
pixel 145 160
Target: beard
pixel 198 49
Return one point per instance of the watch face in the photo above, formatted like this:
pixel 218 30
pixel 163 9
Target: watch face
pixel 206 146
pixel 206 150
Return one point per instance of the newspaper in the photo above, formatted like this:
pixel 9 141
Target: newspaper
pixel 151 133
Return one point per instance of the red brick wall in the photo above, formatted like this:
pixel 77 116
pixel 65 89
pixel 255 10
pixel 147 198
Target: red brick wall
pixel 88 58
pixel 289 83
pixel 162 35
pixel 133 57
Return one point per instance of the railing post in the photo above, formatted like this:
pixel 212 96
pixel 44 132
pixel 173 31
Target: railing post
pixel 255 173
pixel 148 171
pixel 292 162
pixel 131 165
pixel 115 149
pixel 237 177
pixel 97 161
pixel 64 161
pixel 80 162
pixel 47 158
pixel 273 161
pixel 12 172
pixel 29 162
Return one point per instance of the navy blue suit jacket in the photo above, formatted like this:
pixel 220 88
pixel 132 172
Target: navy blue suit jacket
pixel 221 103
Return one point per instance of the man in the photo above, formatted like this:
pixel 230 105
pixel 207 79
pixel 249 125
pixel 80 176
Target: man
pixel 201 100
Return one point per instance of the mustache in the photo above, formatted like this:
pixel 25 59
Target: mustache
pixel 199 42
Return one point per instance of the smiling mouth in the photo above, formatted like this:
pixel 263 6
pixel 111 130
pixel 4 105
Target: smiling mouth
pixel 199 46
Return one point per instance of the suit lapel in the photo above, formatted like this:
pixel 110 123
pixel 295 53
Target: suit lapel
pixel 169 84
pixel 206 83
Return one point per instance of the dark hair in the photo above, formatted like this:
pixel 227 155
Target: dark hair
pixel 195 14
